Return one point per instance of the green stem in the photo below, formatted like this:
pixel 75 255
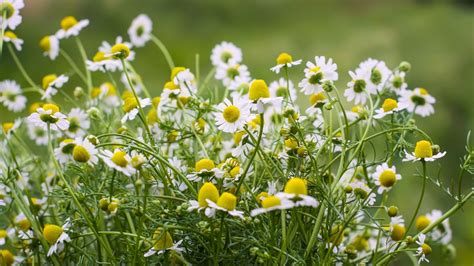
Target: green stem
pixel 84 58
pixel 421 197
pixel 165 51
pixel 73 65
pixel 23 71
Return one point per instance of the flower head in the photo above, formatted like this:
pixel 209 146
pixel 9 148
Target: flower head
pixel 140 30
pixel 284 60
pixel 70 26
pixel 423 151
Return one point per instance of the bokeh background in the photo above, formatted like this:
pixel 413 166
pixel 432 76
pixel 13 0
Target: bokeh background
pixel 436 37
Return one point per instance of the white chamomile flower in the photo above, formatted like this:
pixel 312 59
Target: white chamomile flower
pixel 232 115
pixel 423 151
pixel 140 30
pixel 71 27
pixel 442 232
pixel 284 60
pixel 118 160
pixel 106 57
pixel 229 73
pixel 226 53
pixel 57 236
pixel 11 37
pixel 362 191
pixel 78 123
pixel 49 116
pixel 418 101
pixel 296 190
pixel 317 74
pixel 50 46
pixel 9 128
pixel 103 63
pixel 51 84
pixel 397 82
pixel 207 192
pixel 162 242
pixel 205 168
pixel 184 78
pixel 11 97
pixel 423 249
pixel 385 177
pixel 357 88
pixel 377 74
pixel 389 107
pixel 11 10
pixel 39 134
pixel 271 203
pixel 85 152
pixel 282 88
pixel 130 107
pixel 226 203
pixel 63 153
pixel 259 95
pixel 6 234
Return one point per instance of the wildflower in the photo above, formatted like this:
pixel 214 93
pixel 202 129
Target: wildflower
pixel 208 192
pixel 423 151
pixel 423 249
pixel 259 94
pixel 284 60
pixel 357 88
pixel 49 116
pixel 377 74
pixel 56 236
pixel 5 234
pixel 11 97
pixel 397 82
pixel 442 232
pixel 283 88
pixel 385 177
pixel 130 107
pixel 205 168
pixel 232 116
pixel 226 53
pixel 84 152
pixel 362 191
pixel 78 123
pixel 389 106
pixel 226 203
pixel 185 80
pixel 6 257
pixel 71 27
pixel 50 46
pixel 418 101
pixel 296 190
pixel 51 84
pixel 118 160
pixel 22 222
pixel 140 30
pixel 271 203
pixel 229 73
pixel 64 152
pixel 105 60
pixel 317 74
pixel 163 241
pixel 11 9
pixel 397 228
pixel 11 37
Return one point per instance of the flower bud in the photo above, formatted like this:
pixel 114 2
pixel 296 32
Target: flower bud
pixel 78 92
pixel 94 113
pixel 404 66
pixel 328 86
pixel 392 211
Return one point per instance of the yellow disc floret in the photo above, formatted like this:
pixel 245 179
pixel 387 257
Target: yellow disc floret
pixel 284 58
pixel 162 239
pixel 231 113
pixel 426 249
pixel 7 126
pixel 389 104
pixel 317 97
pixel 48 79
pixel 227 201
pixel 120 51
pixel 175 72
pixel 258 89
pixel 129 104
pixel 80 154
pixel 422 222
pixel 271 201
pixel 387 178
pixel 207 191
pixel 45 44
pixel 204 164
pixel 398 232
pixel 423 149
pixel 68 22
pixel 297 186
pixel 119 158
pixel 50 106
pixel 6 257
pixel 52 232
pixel 10 34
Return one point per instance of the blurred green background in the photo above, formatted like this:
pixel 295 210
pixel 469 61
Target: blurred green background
pixel 436 37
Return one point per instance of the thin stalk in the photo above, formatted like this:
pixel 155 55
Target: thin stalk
pixel 165 51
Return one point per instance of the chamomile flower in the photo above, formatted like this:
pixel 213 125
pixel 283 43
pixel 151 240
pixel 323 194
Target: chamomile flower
pixel 57 236
pixel 6 234
pixel 397 82
pixel 316 100
pixel 51 83
pixel 208 192
pixel 229 73
pixel 259 95
pixel 357 88
pixel 63 153
pixel 118 160
pixel 442 232
pixel 11 9
pixel 39 134
pixel 282 88
pixel 226 53
pixel 377 73
pixel 318 73
pixel 11 97
pixel 296 190
pixel 78 123
pixel 205 168
pixel 22 222
pixel 111 62
pixel 185 79
pixel 9 128
pixel 131 107
pixel 418 101
pixel 104 63
pixel 11 37
pixel 363 192
pixel 50 46
pixel 163 241
pixel 49 116
pixel 423 249
pixel 71 27
pixel 232 115
pixel 284 60
pixel 423 151
pixel 226 203
pixel 385 177
pixel 140 30
pixel 389 107
pixel 84 151
pixel 271 203
pixel 397 228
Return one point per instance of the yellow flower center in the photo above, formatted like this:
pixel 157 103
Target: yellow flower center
pixel 422 222
pixel 7 126
pixel 387 178
pixel 284 58
pixel 51 233
pixel 45 44
pixel 389 104
pixel 129 104
pixel 7 9
pixel 10 35
pixel 398 232
pixel 227 201
pixel 357 109
pixel 120 51
pixel 423 91
pixel 6 257
pixel 111 91
pixel 423 149
pixel 156 101
pixel 360 243
pixel 162 240
pixel 95 92
pixel 235 171
pixel 231 113
pixel 175 72
pixel 68 22
pixel 291 143
pixel 152 116
pixel 426 249
pixel 35 202
pixel 296 185
pixel 24 224
pixel 204 164
pixel 113 206
pixel 99 56
pixel 207 191
pixel 50 106
pixel 119 158
pixel 3 233
pixel 238 136
pixel 171 86
pixel 315 69
pixel 80 154
pixel 316 98
pixel 258 89
pixel 271 201
pixel 48 79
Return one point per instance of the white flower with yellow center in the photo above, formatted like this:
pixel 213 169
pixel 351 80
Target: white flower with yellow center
pixel 282 88
pixel 208 192
pixel 232 115
pixel 363 192
pixel 140 30
pixel 205 168
pixel 78 123
pixel 377 73
pixel 284 60
pixel 316 100
pixel 397 82
pixel 423 249
pixel 71 27
pixel 39 134
pixel 49 115
pixel 317 74
pixel 56 236
pixel 389 107
pixel 229 73
pixel 51 83
pixel 259 95
pixel 11 37
pixel 385 177
pixel 162 242
pixel 418 101
pixel 118 160
pixel 357 88
pixel 135 79
pixel 185 80
pixel 226 53
pixel 296 190
pixel 423 151
pixel 84 151
pixel 11 10
pixel 272 203
pixel 11 97
pixel 104 63
pixel 442 232
pixel 130 107
pixel 226 203
pixel 6 234
pixel 22 222
pixel 50 46
pixel 63 153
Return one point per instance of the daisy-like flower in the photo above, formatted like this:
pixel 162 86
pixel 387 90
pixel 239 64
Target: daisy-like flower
pixel 131 107
pixel 11 37
pixel 6 234
pixel 22 222
pixel 71 27
pixel 362 191
pixel 38 134
pixel 271 203
pixel 11 97
pixel 296 191
pixel 118 160
pixel 226 53
pixel 259 94
pixel 104 60
pixel 284 60
pixel 357 88
pixel 442 232
pixel 317 74
pixel 163 241
pixel 423 249
pixel 7 257
pixel 423 151
pixel 205 168
pixel 377 73
pixel 140 30
pixel 51 84
pixel 10 127
pixel 56 236
pixel 63 153
pixel 282 88
pixel 11 9
pixel 232 115
pixel 50 46
pixel 185 80
pixel 49 115
pixel 316 100
pixel 397 82
pixel 229 73
pixel 78 123
pixel 397 228
pixel 103 63
pixel 418 101
pixel 389 107
pixel 226 203
pixel 208 192
pixel 84 151
pixel 385 177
